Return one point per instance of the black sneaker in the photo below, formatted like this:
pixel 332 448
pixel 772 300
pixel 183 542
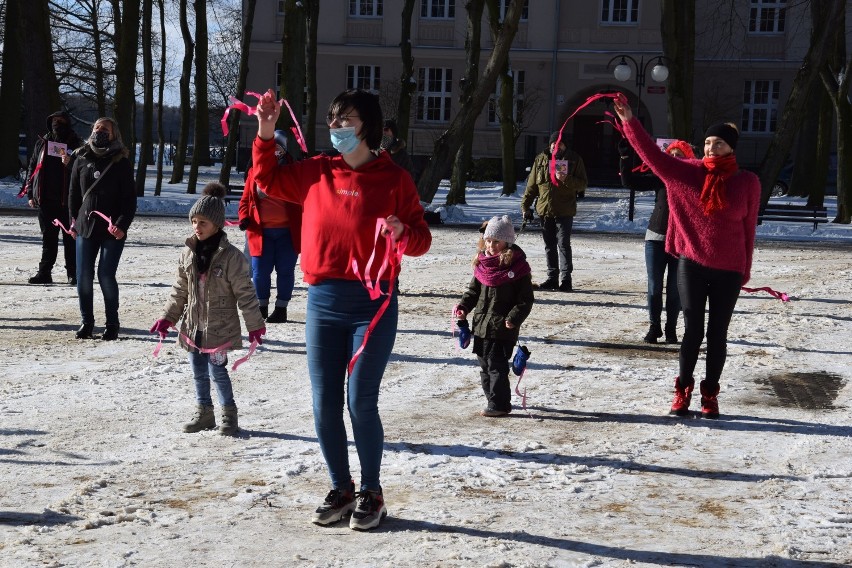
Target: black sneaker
pixel 40 278
pixel 337 505
pixel 369 512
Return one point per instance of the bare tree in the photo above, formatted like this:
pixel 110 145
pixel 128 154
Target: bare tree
pixel 407 84
pixel 505 110
pixel 201 142
pixel 146 144
pixel 185 100
pixel 161 146
pixel 678 33
pixel 41 90
pixel 311 102
pixel 450 141
pixel 293 67
pixel 124 107
pixel 11 89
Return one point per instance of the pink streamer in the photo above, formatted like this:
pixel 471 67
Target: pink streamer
pixel 252 110
pixel 393 259
pixel 58 223
pixel 206 350
pixel 232 223
pixel 518 392
pixel 296 130
pixel 780 295
pixel 590 100
pixel 105 218
pixel 242 360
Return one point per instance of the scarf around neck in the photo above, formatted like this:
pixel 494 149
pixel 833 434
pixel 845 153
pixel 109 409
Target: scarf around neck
pixel 719 170
pixel 490 272
pixel 204 251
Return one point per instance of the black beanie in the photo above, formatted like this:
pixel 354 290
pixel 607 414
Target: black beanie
pixel 724 131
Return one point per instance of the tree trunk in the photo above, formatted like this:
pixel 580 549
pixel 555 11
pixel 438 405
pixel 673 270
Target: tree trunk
pixel 201 143
pixel 148 97
pixel 472 48
pixel 678 32
pixel 812 147
pixel 125 74
pixel 185 101
pixel 451 140
pixel 234 118
pixel 11 90
pixel 407 84
pixel 310 128
pixel 293 72
pixel 506 107
pixel 826 14
pixel 161 145
pixel 41 89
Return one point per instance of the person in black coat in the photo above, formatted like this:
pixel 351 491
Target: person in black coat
pixel 47 181
pixel 101 184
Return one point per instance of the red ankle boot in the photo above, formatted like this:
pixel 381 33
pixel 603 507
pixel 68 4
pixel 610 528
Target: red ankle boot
pixel 709 403
pixel 682 398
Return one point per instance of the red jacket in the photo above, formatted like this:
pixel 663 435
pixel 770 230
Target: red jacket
pixel 340 207
pixel 254 232
pixel 723 240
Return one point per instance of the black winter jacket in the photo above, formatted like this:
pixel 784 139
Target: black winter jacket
pixel 114 195
pixel 48 185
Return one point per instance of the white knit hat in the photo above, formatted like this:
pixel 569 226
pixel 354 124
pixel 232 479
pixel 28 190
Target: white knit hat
pixel 500 229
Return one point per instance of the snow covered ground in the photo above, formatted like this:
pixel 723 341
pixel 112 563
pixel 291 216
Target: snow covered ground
pixel 96 471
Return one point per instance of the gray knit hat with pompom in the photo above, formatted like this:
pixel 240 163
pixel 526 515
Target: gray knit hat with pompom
pixel 211 204
pixel 500 229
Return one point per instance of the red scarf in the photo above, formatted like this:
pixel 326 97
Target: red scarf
pixel 490 272
pixel 719 170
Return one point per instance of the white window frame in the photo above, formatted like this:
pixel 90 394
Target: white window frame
pixel 518 96
pixel 366 77
pixel 366 8
pixel 525 11
pixel 437 9
pixel 760 106
pixel 610 12
pixel 766 17
pixel 434 94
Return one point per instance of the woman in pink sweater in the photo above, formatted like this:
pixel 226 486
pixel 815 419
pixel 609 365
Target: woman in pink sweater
pixel 713 207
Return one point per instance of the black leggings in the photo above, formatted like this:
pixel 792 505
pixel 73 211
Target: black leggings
pixel 696 285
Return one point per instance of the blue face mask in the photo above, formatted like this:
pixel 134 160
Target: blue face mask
pixel 344 139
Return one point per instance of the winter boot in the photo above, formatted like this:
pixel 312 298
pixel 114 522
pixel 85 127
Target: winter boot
pixel 671 333
pixel 709 403
pixel 566 285
pixel 682 398
pixel 264 311
pixel 549 284
pixel 85 331
pixel 278 315
pixel 41 278
pixel 654 333
pixel 110 333
pixel 229 425
pixel 204 419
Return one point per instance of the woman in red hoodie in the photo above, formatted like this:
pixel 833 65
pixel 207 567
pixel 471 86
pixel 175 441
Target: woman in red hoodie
pixel 344 198
pixel 713 207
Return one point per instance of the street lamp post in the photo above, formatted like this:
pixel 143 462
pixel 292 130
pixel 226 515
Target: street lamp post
pixel 622 72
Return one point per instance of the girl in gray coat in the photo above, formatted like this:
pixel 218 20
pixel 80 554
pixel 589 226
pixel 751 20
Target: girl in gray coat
pixel 212 282
pixel 501 293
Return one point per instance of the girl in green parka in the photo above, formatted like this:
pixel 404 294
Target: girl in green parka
pixel 501 297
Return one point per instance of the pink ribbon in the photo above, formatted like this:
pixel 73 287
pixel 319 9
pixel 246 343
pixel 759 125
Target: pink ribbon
pixel 206 350
pixel 392 258
pixel 590 100
pixel 296 130
pixel 105 218
pixel 242 360
pixel 518 392
pixel 232 223
pixel 252 110
pixel 210 350
pixel 58 223
pixel 780 295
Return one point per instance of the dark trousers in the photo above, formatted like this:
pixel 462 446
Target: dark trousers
pixel 657 262
pixel 50 240
pixel 494 356
pixel 556 232
pixel 700 286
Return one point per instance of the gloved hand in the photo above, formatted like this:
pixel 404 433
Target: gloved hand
pixel 528 215
pixel 519 361
pixel 464 333
pixel 162 327
pixel 244 223
pixel 257 334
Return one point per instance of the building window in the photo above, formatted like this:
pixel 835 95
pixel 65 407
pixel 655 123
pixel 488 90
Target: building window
pixel 760 106
pixel 365 8
pixel 619 11
pixel 437 8
pixel 518 107
pixel 280 7
pixel 366 77
pixel 434 96
pixel 525 11
pixel 767 16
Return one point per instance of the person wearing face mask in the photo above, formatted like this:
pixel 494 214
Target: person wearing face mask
pixel 101 186
pixel 393 145
pixel 344 199
pixel 48 178
pixel 713 206
pixel 658 263
pixel 273 233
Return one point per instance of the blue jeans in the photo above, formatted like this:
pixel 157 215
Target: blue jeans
pixel 657 262
pixel 278 254
pixel 203 370
pixel 556 232
pixel 338 313
pixel 110 250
